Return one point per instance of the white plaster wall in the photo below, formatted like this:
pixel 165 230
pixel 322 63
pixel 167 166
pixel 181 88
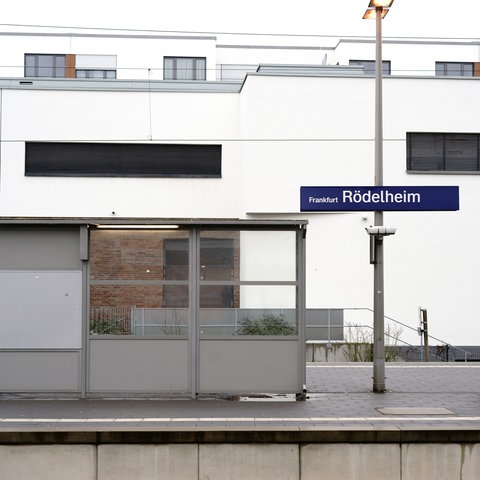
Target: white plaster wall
pixel 319 131
pixel 119 116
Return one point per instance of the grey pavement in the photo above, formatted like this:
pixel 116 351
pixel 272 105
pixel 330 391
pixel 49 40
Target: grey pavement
pixel 419 396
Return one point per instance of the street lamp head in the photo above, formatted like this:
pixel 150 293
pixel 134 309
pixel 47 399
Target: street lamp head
pixel 380 3
pixel 375 6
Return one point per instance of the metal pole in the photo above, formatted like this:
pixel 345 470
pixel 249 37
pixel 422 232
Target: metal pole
pixel 425 335
pixel 378 271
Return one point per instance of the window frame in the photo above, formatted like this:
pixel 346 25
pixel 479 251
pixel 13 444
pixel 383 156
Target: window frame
pixel 54 68
pixel 106 73
pixel 442 152
pixel 462 65
pixel 150 160
pixel 193 70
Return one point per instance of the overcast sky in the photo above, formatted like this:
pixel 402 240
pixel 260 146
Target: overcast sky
pixel 408 18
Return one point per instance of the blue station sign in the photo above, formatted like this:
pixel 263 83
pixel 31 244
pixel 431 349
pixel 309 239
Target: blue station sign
pixel 347 199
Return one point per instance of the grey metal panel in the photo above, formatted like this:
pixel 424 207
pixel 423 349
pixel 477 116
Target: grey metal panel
pixel 40 248
pixel 40 309
pixel 146 365
pixel 83 242
pixel 324 324
pixel 242 365
pixel 39 371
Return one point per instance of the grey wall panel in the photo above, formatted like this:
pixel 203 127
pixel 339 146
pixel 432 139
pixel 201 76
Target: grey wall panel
pixel 242 365
pixel 40 248
pixel 146 365
pixel 37 371
pixel 40 309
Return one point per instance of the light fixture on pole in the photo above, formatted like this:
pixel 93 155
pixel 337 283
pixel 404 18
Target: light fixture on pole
pixel 378 9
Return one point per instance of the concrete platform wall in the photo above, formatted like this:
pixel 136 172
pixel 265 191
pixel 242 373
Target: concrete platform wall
pixel 276 461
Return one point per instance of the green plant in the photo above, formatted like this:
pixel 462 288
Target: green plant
pixel 104 327
pixel 268 324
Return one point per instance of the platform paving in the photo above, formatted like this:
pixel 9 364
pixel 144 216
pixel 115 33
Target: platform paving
pixel 436 396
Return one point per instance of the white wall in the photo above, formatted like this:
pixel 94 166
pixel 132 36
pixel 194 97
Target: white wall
pixel 324 132
pixel 118 116
pixel 294 131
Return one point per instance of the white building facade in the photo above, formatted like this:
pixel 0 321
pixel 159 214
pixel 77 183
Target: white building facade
pixel 161 130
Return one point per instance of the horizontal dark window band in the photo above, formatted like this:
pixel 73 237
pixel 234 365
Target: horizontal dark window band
pixel 444 172
pixel 119 175
pixel 122 159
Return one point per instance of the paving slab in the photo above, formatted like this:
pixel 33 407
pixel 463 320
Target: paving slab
pixel 419 396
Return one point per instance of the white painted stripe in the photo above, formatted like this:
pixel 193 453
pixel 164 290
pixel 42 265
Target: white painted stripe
pixel 440 365
pixel 383 418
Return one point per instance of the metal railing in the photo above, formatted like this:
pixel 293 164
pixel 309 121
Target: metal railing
pixel 447 347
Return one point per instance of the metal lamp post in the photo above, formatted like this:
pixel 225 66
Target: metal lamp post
pixel 378 9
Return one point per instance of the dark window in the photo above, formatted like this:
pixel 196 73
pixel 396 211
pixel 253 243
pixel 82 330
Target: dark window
pixel 122 160
pixel 454 69
pixel 45 65
pixel 443 152
pixel 369 66
pixel 83 73
pixel 184 68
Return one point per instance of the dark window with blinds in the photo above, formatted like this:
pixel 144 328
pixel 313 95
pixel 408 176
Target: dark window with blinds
pixel 436 152
pixel 122 160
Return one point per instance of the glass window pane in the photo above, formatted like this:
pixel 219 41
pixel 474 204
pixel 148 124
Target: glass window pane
pixel 453 69
pixel 426 151
pixel 29 65
pixel 268 296
pixel 138 254
pixel 468 69
pixel 248 255
pixel 247 321
pixel 169 69
pixel 200 69
pixel 184 69
pixel 262 310
pixel 461 152
pixel 59 65
pixel 268 255
pixel 160 321
pixel 439 69
pixel 113 312
pixel 45 66
pixel 139 282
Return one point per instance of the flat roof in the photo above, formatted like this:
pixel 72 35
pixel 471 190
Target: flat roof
pixel 150 221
